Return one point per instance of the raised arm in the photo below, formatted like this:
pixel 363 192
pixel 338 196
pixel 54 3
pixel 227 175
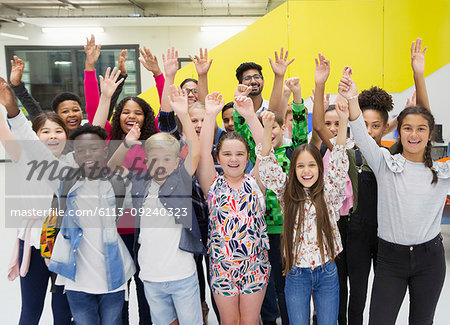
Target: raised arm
pixel 179 103
pixel 18 86
pixel 6 138
pixel 369 148
pixel 244 106
pixel 279 66
pixel 321 75
pixel 267 170
pixel 115 163
pixel 206 171
pixel 108 85
pixel 300 122
pixel 123 75
pixel 418 67
pixel 91 92
pixel 170 68
pixel 150 62
pixel 202 66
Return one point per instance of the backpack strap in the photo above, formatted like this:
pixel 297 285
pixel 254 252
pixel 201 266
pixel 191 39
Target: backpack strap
pixel 358 162
pixel 118 186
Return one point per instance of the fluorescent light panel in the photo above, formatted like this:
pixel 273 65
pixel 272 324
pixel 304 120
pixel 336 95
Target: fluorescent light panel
pixel 14 36
pixel 63 30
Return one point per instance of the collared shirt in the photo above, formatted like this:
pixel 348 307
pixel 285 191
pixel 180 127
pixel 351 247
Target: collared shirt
pixel 307 248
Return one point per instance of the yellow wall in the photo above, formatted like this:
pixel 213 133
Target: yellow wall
pixel 358 33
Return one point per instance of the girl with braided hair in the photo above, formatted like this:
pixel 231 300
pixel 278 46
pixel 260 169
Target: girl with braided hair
pixel 411 195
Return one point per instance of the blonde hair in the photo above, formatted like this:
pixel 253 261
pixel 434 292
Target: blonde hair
pixel 196 105
pixel 288 110
pixel 163 140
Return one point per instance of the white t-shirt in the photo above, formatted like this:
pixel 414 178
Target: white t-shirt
pixel 91 269
pixel 264 106
pixel 159 257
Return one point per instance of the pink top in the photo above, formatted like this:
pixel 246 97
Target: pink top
pixel 135 158
pixel 92 97
pixel 348 202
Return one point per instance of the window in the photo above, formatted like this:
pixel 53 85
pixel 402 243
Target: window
pixel 50 70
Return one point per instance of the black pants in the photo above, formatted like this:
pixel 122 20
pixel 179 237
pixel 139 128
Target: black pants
pixel 362 246
pixel 143 308
pixel 341 263
pixel 274 300
pixel 421 268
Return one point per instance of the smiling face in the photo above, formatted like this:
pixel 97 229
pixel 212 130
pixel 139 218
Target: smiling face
pixel 306 169
pixel 375 124
pixel 53 136
pixel 161 163
pixel 227 118
pixel 233 157
pixel 90 153
pixel 332 121
pixel 192 89
pixel 414 136
pixel 131 113
pixel 257 83
pixel 71 113
pixel 197 116
pixel 277 135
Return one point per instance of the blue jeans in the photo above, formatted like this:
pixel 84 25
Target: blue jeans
pixel 323 281
pixel 92 309
pixel 175 299
pixel 33 288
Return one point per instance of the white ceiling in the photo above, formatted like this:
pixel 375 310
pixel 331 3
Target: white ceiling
pixel 14 9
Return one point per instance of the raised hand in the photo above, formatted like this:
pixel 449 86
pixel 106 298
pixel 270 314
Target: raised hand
pixel 322 70
pixel 268 119
pixel 150 61
pixel 412 101
pixel 17 66
pixel 121 61
pixel 418 56
pixel 178 100
pixel 132 137
pixel 92 52
pixel 342 110
pixel 244 106
pixel 171 62
pixel 214 103
pixel 7 98
pixel 281 63
pixel 109 83
pixel 201 62
pixel 347 87
pixel 242 90
pixel 294 85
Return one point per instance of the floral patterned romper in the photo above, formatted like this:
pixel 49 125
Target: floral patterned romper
pixel 237 241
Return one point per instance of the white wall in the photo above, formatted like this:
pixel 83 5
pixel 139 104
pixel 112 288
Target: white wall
pixel 187 39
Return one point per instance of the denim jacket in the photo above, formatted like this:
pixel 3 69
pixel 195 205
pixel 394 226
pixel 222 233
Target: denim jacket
pixel 174 193
pixel 118 261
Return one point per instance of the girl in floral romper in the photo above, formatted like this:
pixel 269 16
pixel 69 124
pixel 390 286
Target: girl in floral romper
pixel 310 204
pixel 238 241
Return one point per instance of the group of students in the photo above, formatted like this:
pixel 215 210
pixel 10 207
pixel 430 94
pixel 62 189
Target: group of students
pixel 279 216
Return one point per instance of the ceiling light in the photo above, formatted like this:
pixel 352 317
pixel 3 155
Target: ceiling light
pixel 63 62
pixel 14 36
pixel 65 30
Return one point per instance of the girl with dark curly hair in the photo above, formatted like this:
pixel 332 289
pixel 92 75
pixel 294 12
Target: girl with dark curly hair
pixel 411 195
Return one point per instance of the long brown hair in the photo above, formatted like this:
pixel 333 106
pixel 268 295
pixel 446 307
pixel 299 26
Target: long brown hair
pixel 426 114
pixel 39 122
pixel 294 202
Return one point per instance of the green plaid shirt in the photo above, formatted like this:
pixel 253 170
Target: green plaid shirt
pixel 274 217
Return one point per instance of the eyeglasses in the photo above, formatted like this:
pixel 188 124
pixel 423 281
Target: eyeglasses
pixel 189 90
pixel 255 76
